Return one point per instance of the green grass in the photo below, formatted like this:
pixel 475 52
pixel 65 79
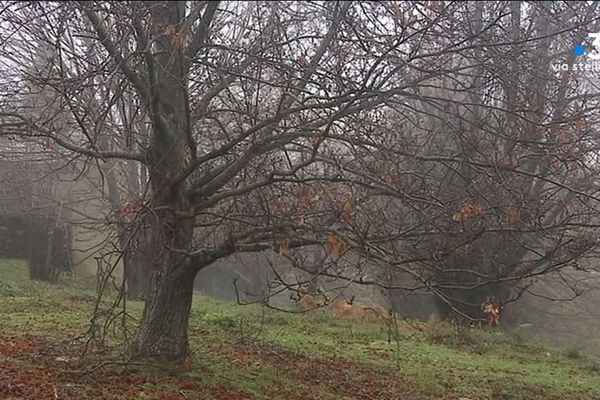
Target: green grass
pixel 265 354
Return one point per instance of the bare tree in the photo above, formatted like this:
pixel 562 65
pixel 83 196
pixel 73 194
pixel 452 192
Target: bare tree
pixel 376 130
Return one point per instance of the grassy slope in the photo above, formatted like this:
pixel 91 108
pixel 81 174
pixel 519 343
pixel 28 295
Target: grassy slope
pixel 249 352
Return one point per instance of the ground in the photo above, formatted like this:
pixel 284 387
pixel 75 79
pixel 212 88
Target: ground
pixel 248 352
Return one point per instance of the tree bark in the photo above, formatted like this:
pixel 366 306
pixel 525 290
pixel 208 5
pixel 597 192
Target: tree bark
pixel 164 326
pixel 163 329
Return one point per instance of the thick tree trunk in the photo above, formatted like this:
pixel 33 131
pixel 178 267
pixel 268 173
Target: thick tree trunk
pixel 48 250
pixel 163 330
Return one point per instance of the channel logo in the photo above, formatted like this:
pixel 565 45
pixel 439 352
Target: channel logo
pixel 580 49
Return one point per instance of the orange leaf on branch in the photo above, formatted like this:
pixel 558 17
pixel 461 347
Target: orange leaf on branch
pixel 275 202
pixel 317 139
pixel 392 177
pixel 335 246
pixel 285 246
pixel 580 125
pixel 510 160
pixel 397 12
pixel 347 212
pixel 128 207
pixel 177 34
pixel 513 215
pixel 467 211
pixel 304 195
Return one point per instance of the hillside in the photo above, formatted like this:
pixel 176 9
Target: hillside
pixel 247 352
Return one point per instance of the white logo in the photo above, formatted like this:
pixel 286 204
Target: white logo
pixel 595 54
